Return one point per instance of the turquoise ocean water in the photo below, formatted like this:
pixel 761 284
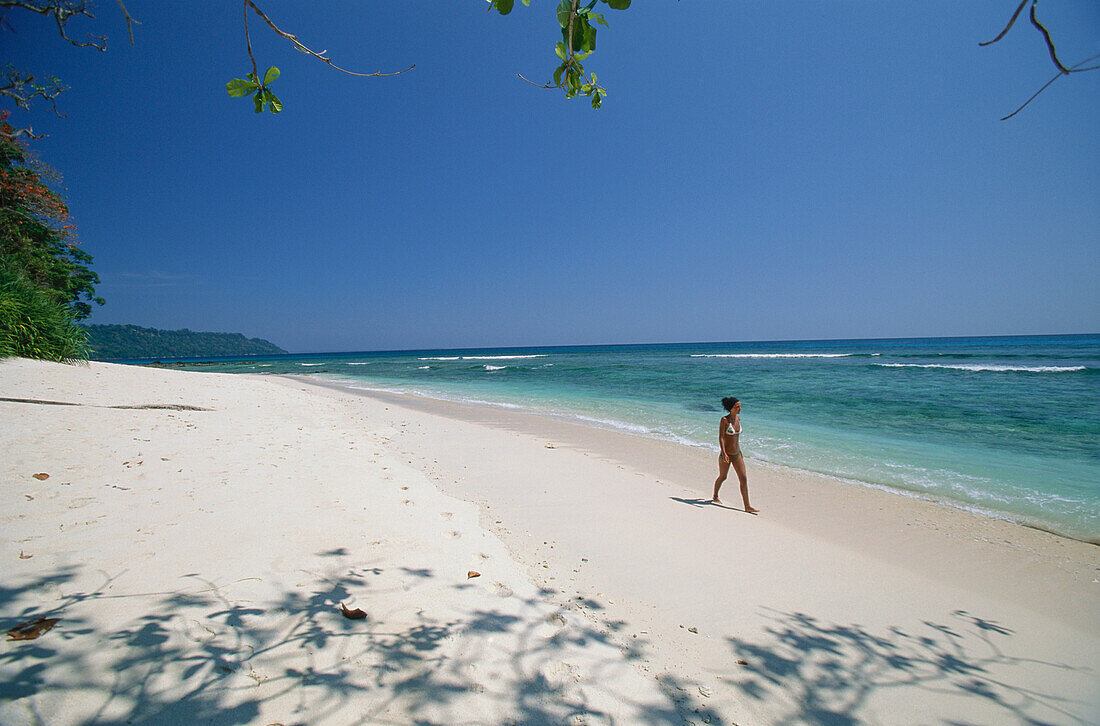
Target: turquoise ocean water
pixel 1008 426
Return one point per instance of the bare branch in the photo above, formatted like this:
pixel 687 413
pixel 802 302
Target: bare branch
pixel 1009 26
pixel 536 85
pixel 1038 26
pixel 1073 69
pixel 62 11
pixel 303 49
pixel 98 42
pixel 130 22
pixel 1046 37
pixel 248 41
pixel 1033 97
pixel 28 132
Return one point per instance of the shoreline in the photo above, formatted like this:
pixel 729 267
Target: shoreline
pixel 814 539
pixel 198 532
pixel 813 503
pixel 465 411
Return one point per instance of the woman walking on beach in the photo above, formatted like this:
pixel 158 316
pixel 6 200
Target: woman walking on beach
pixel 729 441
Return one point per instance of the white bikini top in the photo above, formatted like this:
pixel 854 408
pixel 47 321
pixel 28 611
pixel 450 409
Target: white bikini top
pixel 730 430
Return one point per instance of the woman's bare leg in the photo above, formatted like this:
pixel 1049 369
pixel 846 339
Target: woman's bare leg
pixel 739 467
pixel 723 470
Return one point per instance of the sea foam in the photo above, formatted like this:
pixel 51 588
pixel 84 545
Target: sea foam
pixel 993 368
pixel 483 357
pixel 501 357
pixel 771 355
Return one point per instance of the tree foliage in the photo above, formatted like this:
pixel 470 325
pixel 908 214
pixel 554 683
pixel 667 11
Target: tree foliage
pixel 578 41
pixel 34 325
pixel 45 282
pixel 37 235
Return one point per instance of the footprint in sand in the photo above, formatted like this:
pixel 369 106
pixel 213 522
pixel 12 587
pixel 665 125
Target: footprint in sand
pixel 502 590
pixel 446 515
pixel 199 632
pixel 560 675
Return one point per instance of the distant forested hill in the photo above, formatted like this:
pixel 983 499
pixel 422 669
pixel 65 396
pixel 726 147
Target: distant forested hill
pixel 131 341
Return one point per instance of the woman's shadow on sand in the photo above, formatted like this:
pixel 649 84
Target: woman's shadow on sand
pixel 698 502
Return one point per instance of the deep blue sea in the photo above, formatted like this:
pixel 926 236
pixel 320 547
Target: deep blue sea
pixel 1007 426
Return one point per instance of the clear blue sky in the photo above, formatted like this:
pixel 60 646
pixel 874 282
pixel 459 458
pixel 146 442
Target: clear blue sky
pixel 760 170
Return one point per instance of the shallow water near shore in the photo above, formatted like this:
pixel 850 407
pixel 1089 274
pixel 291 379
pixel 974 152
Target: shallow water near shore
pixel 1007 426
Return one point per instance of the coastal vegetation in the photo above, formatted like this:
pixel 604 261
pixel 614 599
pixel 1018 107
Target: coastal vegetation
pixel 34 325
pixel 132 341
pixel 46 284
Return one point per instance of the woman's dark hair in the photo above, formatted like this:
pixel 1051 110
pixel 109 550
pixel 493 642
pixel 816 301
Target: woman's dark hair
pixel 729 403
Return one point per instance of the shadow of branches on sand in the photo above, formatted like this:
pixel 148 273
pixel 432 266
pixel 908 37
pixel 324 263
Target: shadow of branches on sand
pixel 826 672
pixel 198 655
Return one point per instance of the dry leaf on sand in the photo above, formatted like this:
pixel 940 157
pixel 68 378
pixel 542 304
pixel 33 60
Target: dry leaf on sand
pixel 42 476
pixel 471 574
pixel 356 614
pixel 32 628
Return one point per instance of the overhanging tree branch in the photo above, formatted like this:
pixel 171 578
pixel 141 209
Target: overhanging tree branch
pixel 303 49
pixel 1062 69
pixel 1046 37
pixel 61 11
pixel 22 89
pixel 1071 69
pixel 1009 26
pixel 130 22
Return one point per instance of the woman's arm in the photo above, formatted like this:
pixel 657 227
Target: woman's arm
pixel 722 437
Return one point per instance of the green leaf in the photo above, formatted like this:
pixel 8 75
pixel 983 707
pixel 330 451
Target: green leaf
pixel 259 99
pixel 252 77
pixel 271 75
pixel 618 4
pixel 559 48
pixel 601 19
pixel 564 8
pixel 596 100
pixel 589 43
pixel 273 103
pixel 504 6
pixel 240 87
pixel 557 74
pixel 574 77
pixel 578 34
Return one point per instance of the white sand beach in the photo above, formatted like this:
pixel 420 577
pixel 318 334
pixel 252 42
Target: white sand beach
pixel 198 532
